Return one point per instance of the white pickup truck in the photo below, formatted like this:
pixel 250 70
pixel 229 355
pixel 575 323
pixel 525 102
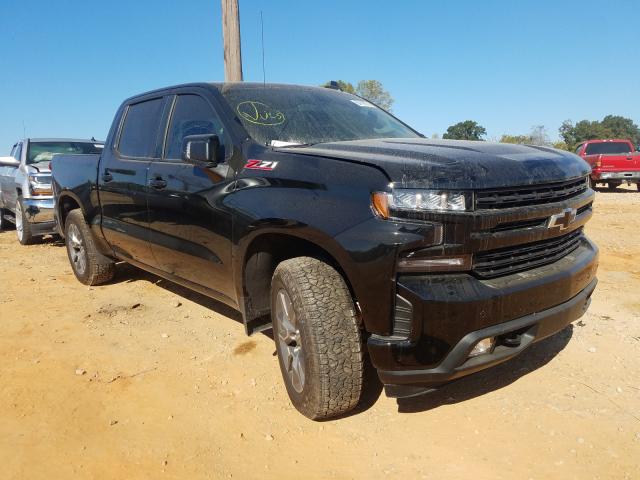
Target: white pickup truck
pixel 26 199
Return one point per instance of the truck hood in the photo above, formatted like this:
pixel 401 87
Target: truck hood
pixel 453 164
pixel 40 167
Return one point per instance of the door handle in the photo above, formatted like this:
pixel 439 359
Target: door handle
pixel 107 177
pixel 158 184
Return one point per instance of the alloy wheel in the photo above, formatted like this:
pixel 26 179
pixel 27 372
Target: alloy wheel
pixel 290 340
pixel 77 251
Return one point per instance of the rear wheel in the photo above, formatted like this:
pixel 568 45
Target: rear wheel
pixel 23 227
pixel 317 337
pixel 89 265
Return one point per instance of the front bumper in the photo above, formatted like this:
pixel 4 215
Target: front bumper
pixel 40 215
pixel 451 313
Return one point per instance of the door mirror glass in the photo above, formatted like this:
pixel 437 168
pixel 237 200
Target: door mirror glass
pixel 201 150
pixel 9 162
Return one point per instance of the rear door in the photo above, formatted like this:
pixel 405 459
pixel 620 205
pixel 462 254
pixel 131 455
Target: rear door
pixel 123 177
pixel 190 226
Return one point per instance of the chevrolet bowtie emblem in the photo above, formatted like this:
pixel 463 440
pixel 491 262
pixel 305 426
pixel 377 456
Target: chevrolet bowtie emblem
pixel 562 220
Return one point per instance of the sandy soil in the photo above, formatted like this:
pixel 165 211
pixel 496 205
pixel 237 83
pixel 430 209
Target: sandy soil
pixel 143 379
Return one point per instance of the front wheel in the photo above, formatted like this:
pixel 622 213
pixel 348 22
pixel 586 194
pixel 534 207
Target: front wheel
pixel 23 227
pixel 89 265
pixel 317 337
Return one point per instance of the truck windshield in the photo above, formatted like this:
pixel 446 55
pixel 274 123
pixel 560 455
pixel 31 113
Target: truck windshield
pixel 608 148
pixel 280 115
pixel 44 151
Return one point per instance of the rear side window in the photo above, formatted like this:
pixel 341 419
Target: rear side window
pixel 140 129
pixel 192 115
pixel 608 148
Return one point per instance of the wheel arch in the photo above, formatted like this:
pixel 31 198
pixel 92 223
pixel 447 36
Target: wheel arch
pixel 66 202
pixel 261 255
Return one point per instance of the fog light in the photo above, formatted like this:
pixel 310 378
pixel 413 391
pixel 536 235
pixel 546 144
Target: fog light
pixel 483 346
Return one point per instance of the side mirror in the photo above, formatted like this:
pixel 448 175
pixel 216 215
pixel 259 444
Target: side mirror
pixel 201 150
pixel 9 162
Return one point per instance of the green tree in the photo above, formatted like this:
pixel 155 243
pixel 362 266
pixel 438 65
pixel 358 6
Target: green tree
pixel 622 127
pixel 342 85
pixel 611 126
pixel 519 139
pixel 373 91
pixel 467 130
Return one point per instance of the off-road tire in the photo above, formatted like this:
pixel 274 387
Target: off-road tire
pixel 638 186
pixel 23 227
pixel 98 268
pixel 329 335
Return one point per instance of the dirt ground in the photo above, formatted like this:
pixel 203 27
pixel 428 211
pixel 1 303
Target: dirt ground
pixel 144 379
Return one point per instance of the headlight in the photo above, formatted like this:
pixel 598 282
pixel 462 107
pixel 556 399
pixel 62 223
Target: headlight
pixel 417 200
pixel 38 188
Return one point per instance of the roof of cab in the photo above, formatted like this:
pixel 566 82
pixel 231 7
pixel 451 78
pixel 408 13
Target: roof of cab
pixel 75 140
pixel 221 86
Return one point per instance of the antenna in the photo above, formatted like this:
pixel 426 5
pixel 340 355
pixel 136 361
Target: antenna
pixel 264 75
pixel 24 130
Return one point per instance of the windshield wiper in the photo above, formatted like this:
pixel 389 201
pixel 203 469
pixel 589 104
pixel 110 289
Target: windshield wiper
pixel 283 144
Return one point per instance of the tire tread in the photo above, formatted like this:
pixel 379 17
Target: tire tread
pixel 100 269
pixel 328 309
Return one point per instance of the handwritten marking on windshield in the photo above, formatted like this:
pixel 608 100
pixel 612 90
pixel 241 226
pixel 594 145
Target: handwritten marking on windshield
pixel 259 113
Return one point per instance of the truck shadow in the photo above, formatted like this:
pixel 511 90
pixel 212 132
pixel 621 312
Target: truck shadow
pixel 127 273
pixel 461 390
pixel 492 379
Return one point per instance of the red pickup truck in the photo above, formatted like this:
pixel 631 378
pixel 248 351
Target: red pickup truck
pixel 612 161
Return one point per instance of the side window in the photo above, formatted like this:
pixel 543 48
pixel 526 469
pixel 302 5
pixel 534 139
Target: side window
pixel 578 149
pixel 140 129
pixel 18 152
pixel 192 115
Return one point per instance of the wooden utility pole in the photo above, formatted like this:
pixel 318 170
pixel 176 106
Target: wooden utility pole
pixel 231 37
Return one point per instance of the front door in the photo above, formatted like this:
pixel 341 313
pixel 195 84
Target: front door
pixel 190 226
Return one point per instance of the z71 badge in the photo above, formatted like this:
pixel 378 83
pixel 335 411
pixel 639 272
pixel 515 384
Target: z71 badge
pixel 260 165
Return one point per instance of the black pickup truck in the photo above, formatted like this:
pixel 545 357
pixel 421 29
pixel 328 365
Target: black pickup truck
pixel 315 212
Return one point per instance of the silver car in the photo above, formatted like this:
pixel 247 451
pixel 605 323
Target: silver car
pixel 26 199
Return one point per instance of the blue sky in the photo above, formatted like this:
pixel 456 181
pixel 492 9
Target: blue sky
pixel 67 64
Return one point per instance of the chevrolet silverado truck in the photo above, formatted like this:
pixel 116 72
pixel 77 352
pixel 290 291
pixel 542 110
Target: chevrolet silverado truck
pixel 613 162
pixel 26 198
pixel 316 213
